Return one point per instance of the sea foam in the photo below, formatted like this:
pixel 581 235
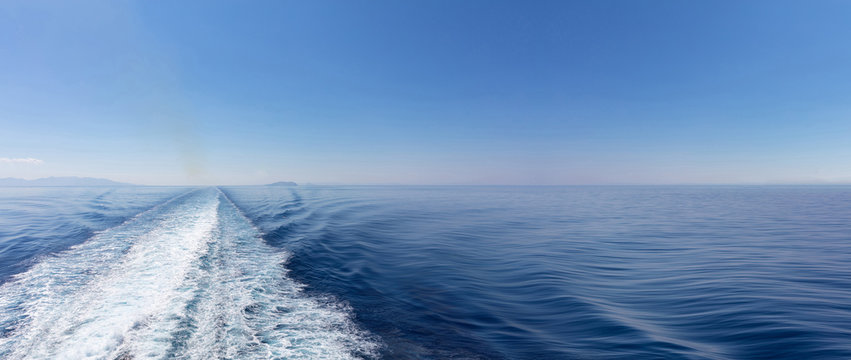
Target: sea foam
pixel 188 279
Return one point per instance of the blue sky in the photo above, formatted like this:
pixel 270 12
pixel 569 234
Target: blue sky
pixel 427 92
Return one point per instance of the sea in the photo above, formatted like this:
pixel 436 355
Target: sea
pixel 425 272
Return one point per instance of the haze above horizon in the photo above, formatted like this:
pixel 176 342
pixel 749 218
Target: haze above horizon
pixel 437 92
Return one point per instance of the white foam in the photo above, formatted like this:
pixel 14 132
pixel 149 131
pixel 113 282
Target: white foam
pixel 190 279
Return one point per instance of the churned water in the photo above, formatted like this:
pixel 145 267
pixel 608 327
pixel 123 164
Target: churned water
pixel 426 272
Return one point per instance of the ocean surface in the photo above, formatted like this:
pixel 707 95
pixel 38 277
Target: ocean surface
pixel 335 272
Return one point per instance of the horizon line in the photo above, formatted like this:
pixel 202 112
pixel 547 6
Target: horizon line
pixel 123 183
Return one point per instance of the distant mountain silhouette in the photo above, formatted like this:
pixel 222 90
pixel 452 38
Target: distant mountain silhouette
pixel 283 183
pixel 61 181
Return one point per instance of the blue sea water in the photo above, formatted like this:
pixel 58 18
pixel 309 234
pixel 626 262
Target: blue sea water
pixel 650 272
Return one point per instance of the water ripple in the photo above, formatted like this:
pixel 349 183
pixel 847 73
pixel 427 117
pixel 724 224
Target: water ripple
pixel 577 272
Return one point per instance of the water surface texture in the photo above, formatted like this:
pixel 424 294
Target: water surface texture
pixel 426 272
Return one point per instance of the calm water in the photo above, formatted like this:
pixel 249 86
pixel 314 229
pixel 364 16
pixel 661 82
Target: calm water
pixel 426 272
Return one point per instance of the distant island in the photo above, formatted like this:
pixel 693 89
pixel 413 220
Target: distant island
pixel 283 183
pixel 61 181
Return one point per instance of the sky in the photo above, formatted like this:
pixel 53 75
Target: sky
pixel 427 92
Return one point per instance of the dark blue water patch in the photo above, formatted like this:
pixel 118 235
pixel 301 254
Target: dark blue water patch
pixel 426 334
pixel 577 272
pixel 280 235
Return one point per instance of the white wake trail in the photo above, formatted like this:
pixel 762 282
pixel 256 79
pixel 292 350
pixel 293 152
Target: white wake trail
pixel 190 279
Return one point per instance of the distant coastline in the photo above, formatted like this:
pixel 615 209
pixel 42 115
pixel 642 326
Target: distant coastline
pixel 61 181
pixel 283 183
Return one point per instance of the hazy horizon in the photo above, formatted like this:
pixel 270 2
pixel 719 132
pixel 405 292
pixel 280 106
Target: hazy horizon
pixel 838 183
pixel 428 93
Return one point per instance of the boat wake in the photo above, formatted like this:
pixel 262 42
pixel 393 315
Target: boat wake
pixel 188 279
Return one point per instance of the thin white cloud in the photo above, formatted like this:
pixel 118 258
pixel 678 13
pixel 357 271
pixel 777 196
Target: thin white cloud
pixel 30 161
